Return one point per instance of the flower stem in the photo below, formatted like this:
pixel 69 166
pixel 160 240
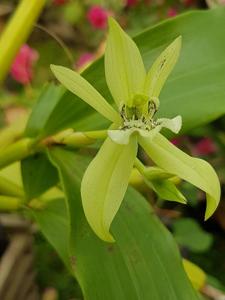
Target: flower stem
pixel 9 188
pixel 76 139
pixel 17 31
pixel 16 152
pixel 10 203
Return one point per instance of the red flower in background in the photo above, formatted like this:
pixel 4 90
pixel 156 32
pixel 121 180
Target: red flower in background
pixel 205 146
pixel 21 69
pixel 189 2
pixel 98 16
pixel 131 3
pixel 172 12
pixel 84 60
pixel 60 2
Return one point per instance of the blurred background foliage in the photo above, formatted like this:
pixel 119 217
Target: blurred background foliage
pixel 72 33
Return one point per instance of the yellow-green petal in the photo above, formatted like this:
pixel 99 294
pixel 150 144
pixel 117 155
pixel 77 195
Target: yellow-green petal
pixel 194 170
pixel 76 84
pixel 104 185
pixel 124 68
pixel 161 69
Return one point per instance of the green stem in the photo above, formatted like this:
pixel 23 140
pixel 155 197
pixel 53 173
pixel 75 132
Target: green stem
pixel 140 166
pixel 10 203
pixel 9 188
pixel 17 31
pixel 77 139
pixel 16 152
pixel 12 132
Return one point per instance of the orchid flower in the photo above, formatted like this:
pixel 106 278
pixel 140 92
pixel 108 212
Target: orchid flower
pixel 135 93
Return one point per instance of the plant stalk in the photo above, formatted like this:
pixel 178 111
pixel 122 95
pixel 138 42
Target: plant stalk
pixel 9 188
pixel 17 31
pixel 16 152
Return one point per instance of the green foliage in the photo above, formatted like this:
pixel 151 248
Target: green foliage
pixel 144 263
pixel 194 90
pixel 38 175
pixel 188 233
pixel 115 271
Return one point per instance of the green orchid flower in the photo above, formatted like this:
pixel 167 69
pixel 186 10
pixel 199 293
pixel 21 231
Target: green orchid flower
pixel 136 93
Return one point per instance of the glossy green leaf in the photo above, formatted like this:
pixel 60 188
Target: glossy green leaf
pixel 124 68
pixel 38 175
pixel 196 171
pixel 104 184
pixel 48 99
pixel 161 69
pixel 194 90
pixel 66 111
pixel 75 83
pixel 143 245
pixel 54 225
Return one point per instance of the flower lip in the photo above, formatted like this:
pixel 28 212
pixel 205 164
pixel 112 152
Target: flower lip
pixel 136 117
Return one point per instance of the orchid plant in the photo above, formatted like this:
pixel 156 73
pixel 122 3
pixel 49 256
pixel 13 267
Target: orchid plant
pixel 136 95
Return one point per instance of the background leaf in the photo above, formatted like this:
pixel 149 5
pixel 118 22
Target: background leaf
pixel 38 175
pixel 194 90
pixel 144 246
pixel 188 233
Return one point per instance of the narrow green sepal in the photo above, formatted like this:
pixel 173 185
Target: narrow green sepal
pixel 194 170
pixel 104 185
pixel 76 84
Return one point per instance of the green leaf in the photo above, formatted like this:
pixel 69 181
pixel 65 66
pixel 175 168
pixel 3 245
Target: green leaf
pixel 196 171
pixel 188 233
pixel 38 175
pixel 75 83
pixel 47 101
pixel 194 90
pixel 124 68
pixel 104 184
pixel 161 69
pixel 54 225
pixel 143 245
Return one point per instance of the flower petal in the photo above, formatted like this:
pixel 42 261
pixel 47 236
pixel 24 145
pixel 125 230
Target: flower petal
pixel 124 68
pixel 196 171
pixel 161 69
pixel 104 184
pixel 84 90
pixel 122 137
pixel 166 190
pixel 172 124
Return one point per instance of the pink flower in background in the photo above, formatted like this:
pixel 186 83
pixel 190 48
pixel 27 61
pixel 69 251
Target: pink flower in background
pixel 131 3
pixel 189 2
pixel 21 69
pixel 98 16
pixel 84 60
pixel 177 141
pixel 172 12
pixel 60 2
pixel 205 146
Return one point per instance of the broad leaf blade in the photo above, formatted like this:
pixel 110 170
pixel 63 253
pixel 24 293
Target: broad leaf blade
pixel 196 171
pixel 195 89
pixel 38 175
pixel 124 68
pixel 144 246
